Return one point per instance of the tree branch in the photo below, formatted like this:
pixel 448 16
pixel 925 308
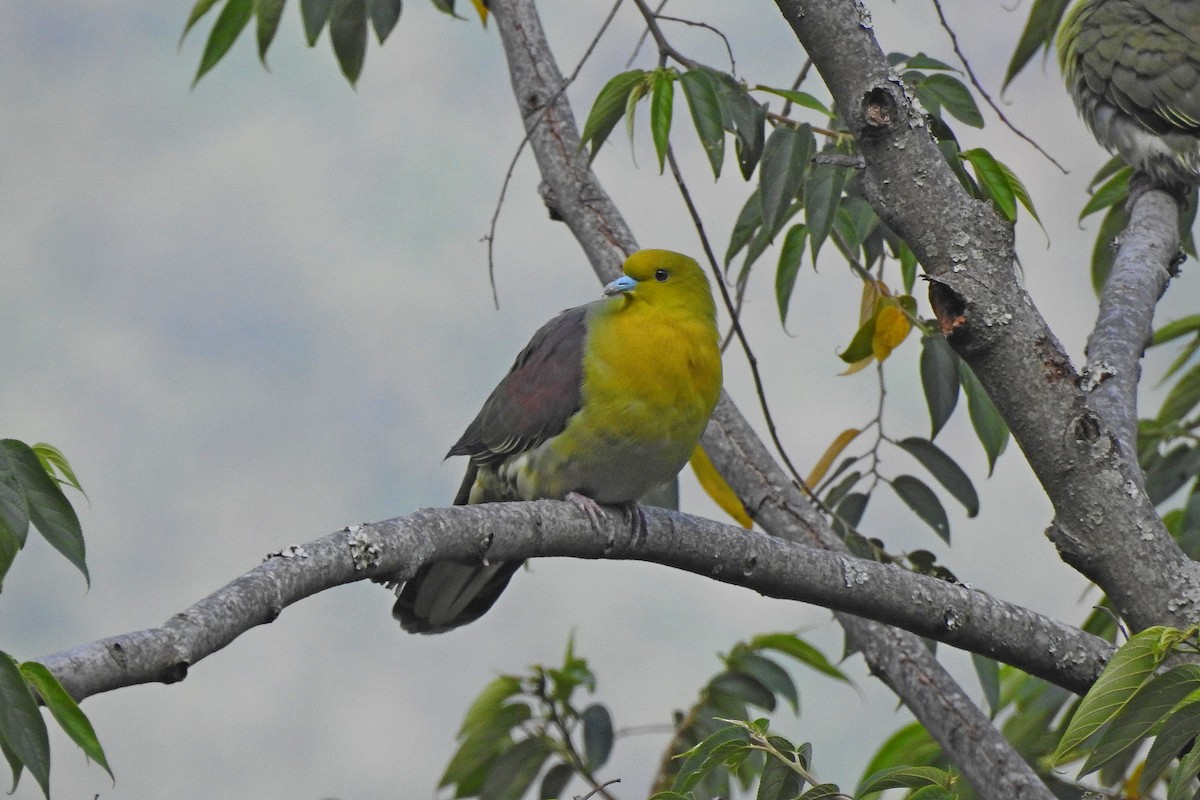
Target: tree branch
pixel 1140 274
pixel 396 548
pixel 574 195
pixel 1104 524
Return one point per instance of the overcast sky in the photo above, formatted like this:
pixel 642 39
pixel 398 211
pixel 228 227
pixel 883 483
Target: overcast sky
pixel 256 311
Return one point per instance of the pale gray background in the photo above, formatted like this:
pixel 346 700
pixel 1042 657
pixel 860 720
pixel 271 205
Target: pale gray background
pixel 257 311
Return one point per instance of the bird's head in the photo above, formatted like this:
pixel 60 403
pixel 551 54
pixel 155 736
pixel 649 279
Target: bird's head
pixel 666 279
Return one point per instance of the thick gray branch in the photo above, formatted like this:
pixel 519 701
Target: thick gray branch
pixel 1104 524
pixel 574 195
pixel 515 531
pixel 1140 274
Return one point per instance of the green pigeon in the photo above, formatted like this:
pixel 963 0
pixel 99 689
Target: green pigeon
pixel 605 403
pixel 1133 69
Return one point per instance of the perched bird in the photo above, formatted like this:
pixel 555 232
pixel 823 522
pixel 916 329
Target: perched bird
pixel 1133 69
pixel 606 402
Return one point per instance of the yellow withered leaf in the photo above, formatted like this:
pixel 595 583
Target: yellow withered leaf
pixel 833 451
pixel 891 328
pixel 716 487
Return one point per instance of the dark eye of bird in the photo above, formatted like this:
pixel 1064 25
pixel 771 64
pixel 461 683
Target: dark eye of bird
pixel 660 275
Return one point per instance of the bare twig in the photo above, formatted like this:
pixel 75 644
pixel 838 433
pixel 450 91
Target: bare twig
pixel 937 4
pixel 490 238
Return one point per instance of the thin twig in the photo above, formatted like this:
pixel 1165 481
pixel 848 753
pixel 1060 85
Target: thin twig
pixel 490 238
pixel 751 359
pixel 664 47
pixel 577 760
pixel 600 789
pixel 637 48
pixel 706 26
pixel 937 4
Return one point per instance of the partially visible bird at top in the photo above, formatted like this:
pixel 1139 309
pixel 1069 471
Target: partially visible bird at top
pixel 1133 69
pixel 606 402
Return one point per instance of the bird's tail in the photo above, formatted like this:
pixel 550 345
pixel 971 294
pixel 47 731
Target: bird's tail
pixel 446 594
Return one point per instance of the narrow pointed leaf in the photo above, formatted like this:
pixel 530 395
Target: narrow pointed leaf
pixel 348 34
pixel 1174 329
pixel 609 108
pixel 772 676
pixel 748 221
pixel 1112 192
pixel 225 31
pixel 1177 732
pixel 905 777
pixel 822 194
pixel 1181 398
pixel 988 672
pixel 835 448
pixel 948 93
pixel 994 181
pixel 662 104
pixel 989 425
pixel 1044 16
pixel 267 14
pixel 699 87
pixel 1148 707
pixel 1128 669
pixel 14 510
pixel 921 499
pixel 802 99
pixel 791 645
pixel 65 711
pixel 315 14
pixel 943 468
pixel 791 254
pixel 14 764
pixel 384 16
pixel 785 159
pixel 49 510
pixel 21 725
pixel 201 8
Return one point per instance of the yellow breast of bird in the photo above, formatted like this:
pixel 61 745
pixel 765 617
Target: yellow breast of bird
pixel 650 382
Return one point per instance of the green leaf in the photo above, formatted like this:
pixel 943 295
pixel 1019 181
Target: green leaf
pixel 598 735
pixel 748 221
pixel 555 780
pixel 348 34
pixel 785 158
pixel 1181 398
pixel 745 688
pixel 988 672
pixel 1128 669
pixel 792 645
pixel 267 13
pixel 1181 786
pixel 748 119
pixel 989 425
pixel 945 91
pixel 921 499
pixel 1104 251
pixel 771 675
pixel 384 15
pixel 225 31
pixel 487 740
pixel 14 764
pixel 1144 711
pixel 994 181
pixel 1177 732
pixel 1044 16
pixel 939 379
pixel 905 777
pixel 945 470
pixel 790 256
pixel 708 754
pixel 14 510
pixel 1174 329
pixel 49 509
pixel 802 99
pixel 779 781
pixel 489 702
pixel 910 746
pixel 1112 192
pixel 514 772
pixel 823 791
pixel 908 271
pixel 700 89
pixel 662 103
pixel 609 108
pixel 21 725
pixel 66 711
pixel 201 8
pixel 822 194
pixel 315 14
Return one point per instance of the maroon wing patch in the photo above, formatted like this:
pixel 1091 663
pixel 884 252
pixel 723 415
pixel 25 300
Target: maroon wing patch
pixel 536 398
